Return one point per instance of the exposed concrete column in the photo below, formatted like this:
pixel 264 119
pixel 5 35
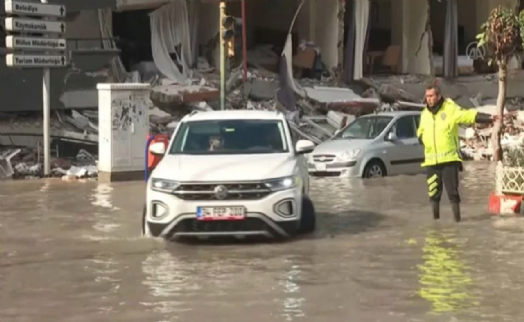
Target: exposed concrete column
pixel 417 63
pixel 330 33
pixel 340 10
pixel 312 6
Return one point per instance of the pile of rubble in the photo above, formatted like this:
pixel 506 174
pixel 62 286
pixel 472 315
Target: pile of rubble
pixel 25 163
pixel 319 106
pixel 476 140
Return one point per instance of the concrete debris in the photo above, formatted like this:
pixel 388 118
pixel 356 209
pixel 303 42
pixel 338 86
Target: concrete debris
pixel 322 106
pixel 27 163
pixel 476 141
pixel 6 167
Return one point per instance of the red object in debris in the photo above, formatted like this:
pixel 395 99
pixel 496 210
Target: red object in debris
pixel 153 160
pixel 504 204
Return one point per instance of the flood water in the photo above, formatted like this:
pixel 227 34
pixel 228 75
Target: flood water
pixel 72 252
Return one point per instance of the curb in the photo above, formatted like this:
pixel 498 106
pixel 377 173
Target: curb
pixel 501 204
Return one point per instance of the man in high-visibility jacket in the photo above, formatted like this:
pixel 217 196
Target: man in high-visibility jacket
pixel 438 131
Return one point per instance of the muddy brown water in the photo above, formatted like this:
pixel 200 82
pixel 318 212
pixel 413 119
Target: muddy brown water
pixel 72 252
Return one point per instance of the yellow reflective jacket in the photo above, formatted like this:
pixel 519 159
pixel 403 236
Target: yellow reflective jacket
pixel 439 132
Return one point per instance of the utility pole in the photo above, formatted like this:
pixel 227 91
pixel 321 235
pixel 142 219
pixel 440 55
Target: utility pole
pixel 46 97
pixel 222 56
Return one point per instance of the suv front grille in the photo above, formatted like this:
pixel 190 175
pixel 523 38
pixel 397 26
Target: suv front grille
pixel 235 191
pixel 323 157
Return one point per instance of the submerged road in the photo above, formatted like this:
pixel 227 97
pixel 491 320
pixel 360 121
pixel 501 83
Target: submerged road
pixel 72 252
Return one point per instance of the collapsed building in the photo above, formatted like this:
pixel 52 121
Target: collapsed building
pixel 342 58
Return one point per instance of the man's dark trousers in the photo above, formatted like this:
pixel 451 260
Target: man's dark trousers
pixel 444 175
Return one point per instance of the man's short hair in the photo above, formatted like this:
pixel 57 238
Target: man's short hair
pixel 434 87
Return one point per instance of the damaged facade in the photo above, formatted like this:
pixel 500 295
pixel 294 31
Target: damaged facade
pixel 299 54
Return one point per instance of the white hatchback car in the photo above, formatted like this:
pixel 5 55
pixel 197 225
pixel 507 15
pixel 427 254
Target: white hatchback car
pixel 371 146
pixel 230 173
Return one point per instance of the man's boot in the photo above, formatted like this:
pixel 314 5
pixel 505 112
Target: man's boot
pixel 455 207
pixel 435 206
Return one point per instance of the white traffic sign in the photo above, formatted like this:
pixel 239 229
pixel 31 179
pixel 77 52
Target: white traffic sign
pixel 36 61
pixel 32 43
pixel 34 9
pixel 38 26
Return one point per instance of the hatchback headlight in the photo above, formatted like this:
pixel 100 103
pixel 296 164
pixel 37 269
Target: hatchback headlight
pixel 348 155
pixel 283 183
pixel 162 185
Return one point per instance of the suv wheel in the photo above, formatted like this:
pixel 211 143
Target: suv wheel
pixel 308 219
pixel 374 169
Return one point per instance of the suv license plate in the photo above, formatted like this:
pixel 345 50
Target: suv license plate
pixel 221 213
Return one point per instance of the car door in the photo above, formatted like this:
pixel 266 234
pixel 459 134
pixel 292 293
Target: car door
pixel 403 152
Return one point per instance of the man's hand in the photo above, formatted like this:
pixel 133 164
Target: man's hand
pixel 496 117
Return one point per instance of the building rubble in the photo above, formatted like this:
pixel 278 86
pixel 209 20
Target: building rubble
pixel 321 106
pixel 476 140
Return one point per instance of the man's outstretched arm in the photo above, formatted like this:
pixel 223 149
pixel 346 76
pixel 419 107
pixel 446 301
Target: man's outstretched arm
pixel 471 116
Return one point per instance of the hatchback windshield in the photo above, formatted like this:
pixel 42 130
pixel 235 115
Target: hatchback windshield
pixel 368 127
pixel 230 137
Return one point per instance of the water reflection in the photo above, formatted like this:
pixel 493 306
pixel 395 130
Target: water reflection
pixel 43 197
pixel 106 271
pixel 168 281
pixel 293 302
pixel 102 196
pixel 105 222
pixel 444 279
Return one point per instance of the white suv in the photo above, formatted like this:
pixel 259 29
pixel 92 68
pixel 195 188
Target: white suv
pixel 230 173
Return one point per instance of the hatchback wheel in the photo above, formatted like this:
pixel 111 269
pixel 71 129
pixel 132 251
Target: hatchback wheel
pixel 374 169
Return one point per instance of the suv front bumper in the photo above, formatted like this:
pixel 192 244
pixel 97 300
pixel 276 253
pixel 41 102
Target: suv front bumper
pixel 262 217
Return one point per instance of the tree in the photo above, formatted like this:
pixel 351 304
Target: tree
pixel 500 35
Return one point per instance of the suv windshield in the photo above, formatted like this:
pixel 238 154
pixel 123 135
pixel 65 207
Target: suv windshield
pixel 230 137
pixel 368 127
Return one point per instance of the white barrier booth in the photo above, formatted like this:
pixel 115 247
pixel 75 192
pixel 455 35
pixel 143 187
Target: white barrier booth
pixel 123 125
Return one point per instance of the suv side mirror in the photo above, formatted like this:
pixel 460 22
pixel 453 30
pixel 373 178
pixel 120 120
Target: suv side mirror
pixel 391 137
pixel 158 148
pixel 304 146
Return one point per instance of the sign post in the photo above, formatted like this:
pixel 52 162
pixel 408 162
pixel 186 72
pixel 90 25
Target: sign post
pixel 44 52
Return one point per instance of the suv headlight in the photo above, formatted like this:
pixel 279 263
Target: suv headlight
pixel 162 185
pixel 348 155
pixel 283 183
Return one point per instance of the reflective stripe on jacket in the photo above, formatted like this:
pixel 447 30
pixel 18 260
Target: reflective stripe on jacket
pixel 439 132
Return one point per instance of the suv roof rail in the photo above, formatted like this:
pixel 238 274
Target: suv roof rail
pixel 193 112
